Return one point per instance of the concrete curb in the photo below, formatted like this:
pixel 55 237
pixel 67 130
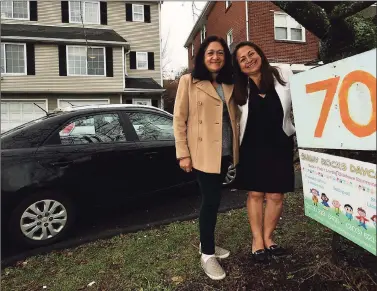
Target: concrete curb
pixel 71 243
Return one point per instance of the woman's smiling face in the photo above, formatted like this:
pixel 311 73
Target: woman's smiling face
pixel 249 60
pixel 214 57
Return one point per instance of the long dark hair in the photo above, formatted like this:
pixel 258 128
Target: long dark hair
pixel 200 70
pixel 268 73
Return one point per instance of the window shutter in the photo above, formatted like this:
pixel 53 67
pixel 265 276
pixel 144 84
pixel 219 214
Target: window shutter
pixel 109 62
pixel 150 61
pixel 62 60
pixel 129 12
pixel 147 13
pixel 133 60
pixel 155 103
pixel 65 11
pixel 103 7
pixel 33 7
pixel 30 59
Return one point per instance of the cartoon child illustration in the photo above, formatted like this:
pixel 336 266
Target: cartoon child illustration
pixel 336 205
pixel 374 219
pixel 325 199
pixel 362 217
pixel 349 211
pixel 315 195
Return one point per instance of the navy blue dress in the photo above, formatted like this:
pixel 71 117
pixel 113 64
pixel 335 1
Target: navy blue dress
pixel 266 152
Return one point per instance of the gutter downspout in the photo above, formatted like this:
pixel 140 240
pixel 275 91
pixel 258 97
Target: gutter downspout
pixel 247 20
pixel 124 74
pixel 160 39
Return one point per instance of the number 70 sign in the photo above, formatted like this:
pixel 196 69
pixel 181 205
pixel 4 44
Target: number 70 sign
pixel 334 105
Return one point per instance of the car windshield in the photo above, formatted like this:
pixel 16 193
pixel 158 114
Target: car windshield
pixel 26 124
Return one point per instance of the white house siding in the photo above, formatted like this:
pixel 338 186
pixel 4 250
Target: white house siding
pixel 47 79
pixel 142 37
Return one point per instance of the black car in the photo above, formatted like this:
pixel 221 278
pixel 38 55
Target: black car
pixel 99 155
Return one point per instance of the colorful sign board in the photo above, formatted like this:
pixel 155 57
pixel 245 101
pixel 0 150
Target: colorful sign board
pixel 340 193
pixel 334 105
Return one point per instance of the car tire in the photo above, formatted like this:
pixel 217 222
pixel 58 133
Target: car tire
pixel 32 214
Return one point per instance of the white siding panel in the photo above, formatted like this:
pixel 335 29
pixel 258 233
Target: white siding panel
pixel 47 79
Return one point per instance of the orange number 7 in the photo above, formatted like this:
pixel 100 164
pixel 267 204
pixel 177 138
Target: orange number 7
pixel 330 85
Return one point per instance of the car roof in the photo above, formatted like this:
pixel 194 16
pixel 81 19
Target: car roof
pixel 109 106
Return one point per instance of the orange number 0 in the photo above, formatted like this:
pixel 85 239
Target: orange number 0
pixel 330 86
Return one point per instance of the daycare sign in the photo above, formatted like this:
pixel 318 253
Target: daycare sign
pixel 340 193
pixel 334 107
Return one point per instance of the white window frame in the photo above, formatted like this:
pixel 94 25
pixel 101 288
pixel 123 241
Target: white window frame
pixel 227 4
pixel 137 63
pixel 133 12
pixel 149 101
pixel 86 75
pixel 5 61
pixel 203 33
pixel 82 7
pixel 28 12
pixel 230 33
pixel 192 49
pixel 289 37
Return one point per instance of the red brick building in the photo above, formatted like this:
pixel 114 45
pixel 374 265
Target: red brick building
pixel 283 40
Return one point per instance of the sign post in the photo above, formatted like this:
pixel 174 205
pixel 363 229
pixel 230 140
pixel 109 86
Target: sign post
pixel 334 107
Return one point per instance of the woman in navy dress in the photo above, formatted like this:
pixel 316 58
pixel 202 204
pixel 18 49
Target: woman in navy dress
pixel 265 166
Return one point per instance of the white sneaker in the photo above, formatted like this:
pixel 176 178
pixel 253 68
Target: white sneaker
pixel 213 269
pixel 220 253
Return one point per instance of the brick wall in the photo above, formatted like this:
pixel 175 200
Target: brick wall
pixel 261 31
pixel 191 59
pixel 220 21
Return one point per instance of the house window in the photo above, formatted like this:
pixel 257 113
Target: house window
pixel 15 9
pixel 192 49
pixel 141 61
pixel 84 11
pixel 13 58
pixel 229 37
pixel 227 4
pixel 138 12
pixel 203 34
pixel 286 28
pixel 86 61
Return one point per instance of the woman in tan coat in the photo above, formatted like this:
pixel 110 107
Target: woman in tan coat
pixel 206 136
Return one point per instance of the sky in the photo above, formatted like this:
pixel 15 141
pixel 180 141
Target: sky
pixel 176 24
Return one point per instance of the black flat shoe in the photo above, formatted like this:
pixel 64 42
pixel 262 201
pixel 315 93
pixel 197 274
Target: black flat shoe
pixel 276 250
pixel 260 256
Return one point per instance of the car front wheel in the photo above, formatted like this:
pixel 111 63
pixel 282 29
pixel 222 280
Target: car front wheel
pixel 41 219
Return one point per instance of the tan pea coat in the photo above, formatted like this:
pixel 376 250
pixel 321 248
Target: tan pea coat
pixel 198 114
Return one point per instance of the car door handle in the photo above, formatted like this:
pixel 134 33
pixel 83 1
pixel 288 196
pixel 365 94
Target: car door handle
pixel 61 164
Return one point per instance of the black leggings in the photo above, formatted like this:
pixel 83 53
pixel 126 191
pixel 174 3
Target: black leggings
pixel 210 188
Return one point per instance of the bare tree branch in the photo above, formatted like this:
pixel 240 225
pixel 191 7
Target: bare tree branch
pixel 165 58
pixel 308 14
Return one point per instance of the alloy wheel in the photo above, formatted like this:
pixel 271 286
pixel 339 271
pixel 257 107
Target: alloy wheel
pixel 43 220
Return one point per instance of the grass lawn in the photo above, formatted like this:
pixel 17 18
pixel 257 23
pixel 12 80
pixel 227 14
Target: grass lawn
pixel 167 259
